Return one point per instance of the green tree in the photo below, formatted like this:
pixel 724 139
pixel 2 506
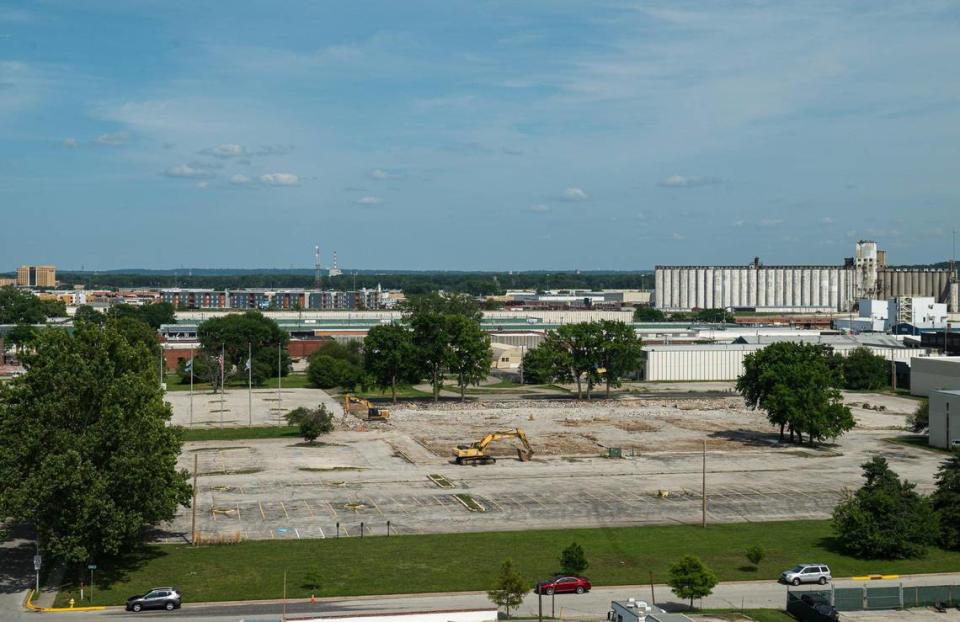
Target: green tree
pixel 312 421
pixel 620 352
pixel 714 316
pixel 548 362
pixel 442 304
pixel 86 313
pixel 88 458
pixel 648 314
pixel 865 371
pixel 886 518
pixel 468 353
pixel 138 332
pixel 388 357
pixel 235 333
pixel 582 342
pixel 690 578
pixel 797 386
pixel 573 560
pixel 755 554
pixel 430 340
pixel 153 315
pixel 509 588
pixel 326 372
pixel 22 307
pixel 946 502
pixel 919 421
pixel 21 335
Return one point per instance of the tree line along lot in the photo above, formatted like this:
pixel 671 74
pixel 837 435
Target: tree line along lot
pixel 469 561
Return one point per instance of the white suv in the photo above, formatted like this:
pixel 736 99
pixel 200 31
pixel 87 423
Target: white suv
pixel 806 573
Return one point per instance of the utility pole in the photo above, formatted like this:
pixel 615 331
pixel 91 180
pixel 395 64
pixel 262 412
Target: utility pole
pixel 284 615
pixel 250 384
pixel 703 518
pixel 193 528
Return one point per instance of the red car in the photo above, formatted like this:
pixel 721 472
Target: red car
pixel 563 585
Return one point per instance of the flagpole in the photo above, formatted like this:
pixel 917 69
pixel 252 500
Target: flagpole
pixel 191 387
pixel 223 364
pixel 249 383
pixel 279 407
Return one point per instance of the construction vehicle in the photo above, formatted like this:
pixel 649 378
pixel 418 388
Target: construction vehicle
pixel 476 453
pixel 354 405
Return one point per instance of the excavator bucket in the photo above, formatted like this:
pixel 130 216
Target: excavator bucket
pixel 523 455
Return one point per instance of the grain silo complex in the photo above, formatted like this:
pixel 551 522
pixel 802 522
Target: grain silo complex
pixel 798 288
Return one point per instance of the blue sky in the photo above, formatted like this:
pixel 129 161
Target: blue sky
pixel 476 135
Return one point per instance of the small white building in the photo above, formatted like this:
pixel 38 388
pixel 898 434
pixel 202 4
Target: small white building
pixel 944 419
pixel 929 374
pixel 633 610
pixel 918 311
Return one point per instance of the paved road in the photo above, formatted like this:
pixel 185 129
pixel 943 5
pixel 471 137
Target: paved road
pixel 594 605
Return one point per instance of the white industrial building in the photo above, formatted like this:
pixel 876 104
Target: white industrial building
pixel 933 374
pixel 944 428
pixel 724 362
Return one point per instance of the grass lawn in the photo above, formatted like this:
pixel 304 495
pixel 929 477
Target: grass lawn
pixel 469 561
pixel 291 381
pixel 239 434
pixel 402 393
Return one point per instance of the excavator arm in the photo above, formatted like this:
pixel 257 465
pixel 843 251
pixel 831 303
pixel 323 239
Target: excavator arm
pixel 477 452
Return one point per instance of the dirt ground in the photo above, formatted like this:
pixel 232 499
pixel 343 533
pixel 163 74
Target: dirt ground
pixel 402 473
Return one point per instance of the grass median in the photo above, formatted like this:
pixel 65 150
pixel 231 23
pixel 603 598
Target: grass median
pixel 239 434
pixel 469 561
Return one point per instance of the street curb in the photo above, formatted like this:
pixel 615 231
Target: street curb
pixel 28 604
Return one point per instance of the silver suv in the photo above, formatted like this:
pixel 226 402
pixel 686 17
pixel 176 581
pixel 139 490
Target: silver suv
pixel 806 573
pixel 158 598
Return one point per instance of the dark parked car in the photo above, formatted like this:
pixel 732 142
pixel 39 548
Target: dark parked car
pixel 563 585
pixel 158 598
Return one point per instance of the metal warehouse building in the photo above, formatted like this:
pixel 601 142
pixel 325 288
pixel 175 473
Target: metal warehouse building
pixel 719 362
pixel 932 374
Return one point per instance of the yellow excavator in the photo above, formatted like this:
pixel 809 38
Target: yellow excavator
pixel 476 453
pixel 353 405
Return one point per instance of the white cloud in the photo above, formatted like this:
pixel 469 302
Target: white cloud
pixel 826 220
pixel 70 143
pixel 280 179
pixel 369 201
pixel 269 150
pixel 681 181
pixel 379 173
pixel 677 236
pixel 113 139
pixel 241 180
pixel 186 171
pixel 225 151
pixel 202 185
pixel 575 194
pixel 770 222
pixel 540 208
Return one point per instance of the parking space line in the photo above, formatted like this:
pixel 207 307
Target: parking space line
pixel 309 509
pixel 321 532
pixel 296 531
pixel 376 507
pixel 238 510
pixel 284 508
pixel 333 512
pixel 262 515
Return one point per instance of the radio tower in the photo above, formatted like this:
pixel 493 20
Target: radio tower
pixel 316 266
pixel 334 269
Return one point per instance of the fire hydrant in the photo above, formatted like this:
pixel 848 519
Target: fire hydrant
pixel 72 603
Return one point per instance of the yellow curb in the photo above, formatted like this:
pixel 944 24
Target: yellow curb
pixel 29 605
pixel 875 577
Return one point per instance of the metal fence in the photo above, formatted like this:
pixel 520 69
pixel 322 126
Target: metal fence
pixel 867 598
